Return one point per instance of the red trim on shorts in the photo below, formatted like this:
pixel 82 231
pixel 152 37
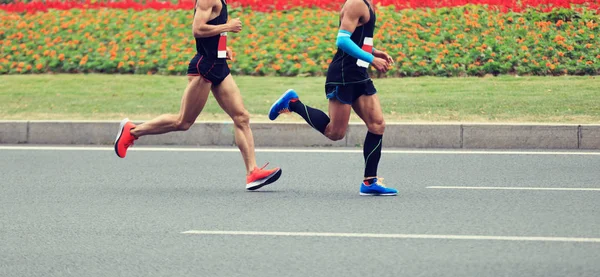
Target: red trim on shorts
pixel 199 75
pixel 206 79
pixel 198 64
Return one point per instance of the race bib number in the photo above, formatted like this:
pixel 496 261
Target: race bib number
pixel 222 48
pixel 367 47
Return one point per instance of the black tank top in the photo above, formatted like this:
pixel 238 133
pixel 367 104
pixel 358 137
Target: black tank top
pixel 345 69
pixel 213 47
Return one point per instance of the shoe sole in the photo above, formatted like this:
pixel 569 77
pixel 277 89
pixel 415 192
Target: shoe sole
pixel 265 181
pixel 277 101
pixel 121 127
pixel 378 194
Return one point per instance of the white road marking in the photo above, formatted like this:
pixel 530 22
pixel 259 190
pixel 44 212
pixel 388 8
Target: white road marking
pixel 295 150
pixel 513 188
pixel 390 236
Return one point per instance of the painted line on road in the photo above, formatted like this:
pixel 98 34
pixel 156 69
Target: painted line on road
pixel 294 150
pixel 390 236
pixel 513 188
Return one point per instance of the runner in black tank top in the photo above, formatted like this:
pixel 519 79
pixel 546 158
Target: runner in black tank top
pixel 345 69
pixel 347 76
pixel 348 87
pixel 208 71
pixel 210 60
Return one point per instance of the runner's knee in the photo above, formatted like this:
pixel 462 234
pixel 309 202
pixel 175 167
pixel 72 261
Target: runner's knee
pixel 335 134
pixel 241 120
pixel 183 125
pixel 377 126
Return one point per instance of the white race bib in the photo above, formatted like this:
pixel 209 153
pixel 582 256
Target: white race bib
pixel 222 48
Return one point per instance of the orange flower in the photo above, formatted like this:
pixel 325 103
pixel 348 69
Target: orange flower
pixel 39 66
pixel 276 67
pixel 297 65
pixel 171 68
pixel 28 67
pixel 121 64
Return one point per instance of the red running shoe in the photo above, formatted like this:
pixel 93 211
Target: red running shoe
pixel 124 138
pixel 260 177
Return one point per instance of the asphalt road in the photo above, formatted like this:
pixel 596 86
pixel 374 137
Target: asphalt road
pixel 88 213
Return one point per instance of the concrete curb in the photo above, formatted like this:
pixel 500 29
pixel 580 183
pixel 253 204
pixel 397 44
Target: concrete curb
pixel 403 135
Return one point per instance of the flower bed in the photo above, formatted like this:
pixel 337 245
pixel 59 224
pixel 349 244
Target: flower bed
pixel 458 41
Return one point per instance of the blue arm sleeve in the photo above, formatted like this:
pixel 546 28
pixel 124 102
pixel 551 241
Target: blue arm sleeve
pixel 347 45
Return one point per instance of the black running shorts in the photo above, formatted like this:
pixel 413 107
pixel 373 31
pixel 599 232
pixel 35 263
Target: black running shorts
pixel 212 70
pixel 348 93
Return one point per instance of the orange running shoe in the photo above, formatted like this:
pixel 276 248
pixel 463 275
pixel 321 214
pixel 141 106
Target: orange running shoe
pixel 124 138
pixel 260 177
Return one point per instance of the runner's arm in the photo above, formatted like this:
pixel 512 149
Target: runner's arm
pixel 352 14
pixel 202 16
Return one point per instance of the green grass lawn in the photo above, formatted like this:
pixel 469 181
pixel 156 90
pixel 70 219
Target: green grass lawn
pixel 493 99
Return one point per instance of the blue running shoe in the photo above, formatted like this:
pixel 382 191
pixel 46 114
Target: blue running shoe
pixel 282 105
pixel 377 188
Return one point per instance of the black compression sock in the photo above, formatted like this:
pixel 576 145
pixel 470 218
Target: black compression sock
pixel 315 118
pixel 372 153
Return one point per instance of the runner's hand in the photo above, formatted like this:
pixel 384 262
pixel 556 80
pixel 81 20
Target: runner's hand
pixel 384 55
pixel 380 64
pixel 235 25
pixel 229 54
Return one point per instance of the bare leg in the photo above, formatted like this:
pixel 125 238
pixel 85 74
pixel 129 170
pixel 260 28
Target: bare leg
pixel 192 103
pixel 339 114
pixel 368 108
pixel 229 98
